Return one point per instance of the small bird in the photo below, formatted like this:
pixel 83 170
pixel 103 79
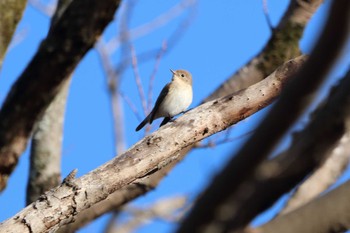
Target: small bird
pixel 174 99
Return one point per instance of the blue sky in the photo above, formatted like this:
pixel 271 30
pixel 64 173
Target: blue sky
pixel 222 37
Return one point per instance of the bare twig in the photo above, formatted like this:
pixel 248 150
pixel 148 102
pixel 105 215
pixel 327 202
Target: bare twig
pixel 138 80
pixel 149 27
pixel 46 8
pixel 10 14
pixel 227 139
pixel 153 75
pixel 266 13
pixel 131 105
pixel 169 209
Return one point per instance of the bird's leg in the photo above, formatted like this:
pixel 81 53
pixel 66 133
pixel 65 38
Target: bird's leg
pixel 166 120
pixel 183 112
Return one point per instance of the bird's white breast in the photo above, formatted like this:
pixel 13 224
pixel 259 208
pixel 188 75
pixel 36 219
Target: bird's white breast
pixel 177 100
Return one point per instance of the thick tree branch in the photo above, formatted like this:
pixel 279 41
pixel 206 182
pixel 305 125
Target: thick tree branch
pixel 329 213
pixel 60 205
pixel 323 177
pixel 10 14
pixel 46 149
pixel 220 208
pixel 67 42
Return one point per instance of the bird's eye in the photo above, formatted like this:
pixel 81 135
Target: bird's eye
pixel 182 75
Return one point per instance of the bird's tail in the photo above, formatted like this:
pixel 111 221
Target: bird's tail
pixel 143 123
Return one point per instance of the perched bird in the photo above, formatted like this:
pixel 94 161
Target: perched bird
pixel 174 99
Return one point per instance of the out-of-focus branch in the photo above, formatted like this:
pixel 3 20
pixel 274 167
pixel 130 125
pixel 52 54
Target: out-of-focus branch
pixel 282 46
pixel 10 14
pixel 229 210
pixel 150 26
pixel 329 213
pixel 323 177
pixel 167 209
pixel 60 205
pixel 172 40
pixel 67 42
pixel 45 156
pixel 149 182
pixel 46 149
pixel 113 80
pixel 47 9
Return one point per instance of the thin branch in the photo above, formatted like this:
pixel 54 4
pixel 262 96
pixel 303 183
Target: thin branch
pixel 149 27
pixel 167 209
pixel 138 79
pixel 266 13
pixel 131 105
pixel 323 177
pixel 329 213
pixel 153 75
pixel 227 139
pixel 172 40
pixel 47 9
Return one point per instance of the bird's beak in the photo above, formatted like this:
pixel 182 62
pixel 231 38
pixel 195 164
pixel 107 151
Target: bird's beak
pixel 172 71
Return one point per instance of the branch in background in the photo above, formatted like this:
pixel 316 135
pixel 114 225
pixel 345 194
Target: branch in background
pixel 229 210
pixel 282 46
pixel 153 75
pixel 113 80
pixel 169 209
pixel 149 27
pixel 266 13
pixel 61 204
pixel 46 149
pixel 45 154
pixel 138 80
pixel 323 177
pixel 67 42
pixel 11 12
pixel 329 213
pixel 172 40
pixel 46 9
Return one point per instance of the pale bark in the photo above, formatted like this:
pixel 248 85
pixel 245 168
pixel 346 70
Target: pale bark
pixel 329 213
pixel 323 177
pixel 46 148
pixel 60 205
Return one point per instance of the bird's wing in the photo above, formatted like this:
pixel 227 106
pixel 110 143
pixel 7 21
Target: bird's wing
pixel 159 101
